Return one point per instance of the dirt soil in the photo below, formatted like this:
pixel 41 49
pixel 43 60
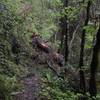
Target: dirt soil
pixel 31 89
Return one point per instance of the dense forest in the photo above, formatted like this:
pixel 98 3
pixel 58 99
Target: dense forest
pixel 49 49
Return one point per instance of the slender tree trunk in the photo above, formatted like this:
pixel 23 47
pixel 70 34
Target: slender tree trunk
pixel 66 34
pixel 93 66
pixel 81 64
pixel 61 49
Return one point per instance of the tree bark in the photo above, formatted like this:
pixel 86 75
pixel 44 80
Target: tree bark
pixel 64 34
pixel 61 49
pixel 81 62
pixel 93 66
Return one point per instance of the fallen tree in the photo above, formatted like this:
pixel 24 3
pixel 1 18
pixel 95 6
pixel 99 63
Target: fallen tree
pixel 54 56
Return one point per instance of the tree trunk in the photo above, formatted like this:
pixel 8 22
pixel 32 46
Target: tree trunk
pixel 61 49
pixel 82 77
pixel 93 66
pixel 64 34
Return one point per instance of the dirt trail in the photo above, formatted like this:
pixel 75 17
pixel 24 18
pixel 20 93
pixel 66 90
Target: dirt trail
pixel 31 89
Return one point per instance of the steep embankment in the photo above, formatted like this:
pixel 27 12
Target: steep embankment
pixel 19 65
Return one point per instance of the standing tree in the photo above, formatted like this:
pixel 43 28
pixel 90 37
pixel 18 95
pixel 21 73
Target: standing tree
pixel 81 62
pixel 64 33
pixel 94 65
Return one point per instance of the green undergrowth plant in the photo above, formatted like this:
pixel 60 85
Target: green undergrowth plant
pixel 7 86
pixel 54 88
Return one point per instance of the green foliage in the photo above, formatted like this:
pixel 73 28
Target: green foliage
pixel 43 17
pixel 42 20
pixel 8 68
pixel 37 20
pixel 56 4
pixel 12 5
pixel 98 96
pixel 7 86
pixel 90 30
pixel 71 12
pixel 54 88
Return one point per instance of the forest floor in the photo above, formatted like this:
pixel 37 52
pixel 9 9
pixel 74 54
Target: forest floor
pixel 31 88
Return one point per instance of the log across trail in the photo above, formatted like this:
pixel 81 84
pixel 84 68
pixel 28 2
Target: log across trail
pixel 56 57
